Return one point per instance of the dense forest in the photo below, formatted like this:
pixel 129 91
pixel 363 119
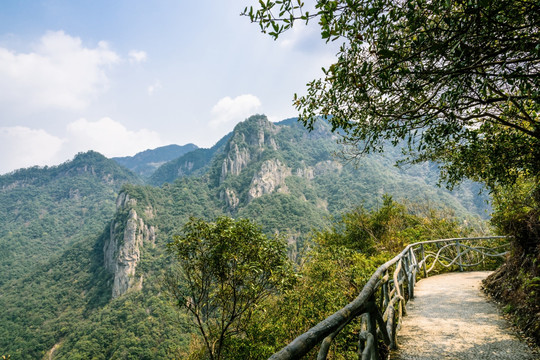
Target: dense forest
pixel 425 126
pixel 93 284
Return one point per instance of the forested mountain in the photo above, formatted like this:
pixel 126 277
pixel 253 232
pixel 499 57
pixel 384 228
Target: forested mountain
pixel 192 163
pixel 43 211
pixel 146 162
pixel 99 294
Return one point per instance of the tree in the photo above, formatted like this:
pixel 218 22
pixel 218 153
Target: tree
pixel 335 266
pixel 457 80
pixel 454 81
pixel 226 268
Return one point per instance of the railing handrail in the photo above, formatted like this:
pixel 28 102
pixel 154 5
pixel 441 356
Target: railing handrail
pixel 365 303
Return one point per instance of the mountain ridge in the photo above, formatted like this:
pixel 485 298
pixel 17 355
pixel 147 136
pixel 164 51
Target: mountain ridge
pixel 144 163
pixel 106 297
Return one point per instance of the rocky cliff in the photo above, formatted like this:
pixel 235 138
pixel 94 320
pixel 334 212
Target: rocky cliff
pixel 271 177
pixel 122 251
pixel 249 141
pixel 237 159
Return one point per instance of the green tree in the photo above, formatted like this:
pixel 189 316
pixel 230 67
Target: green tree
pixel 454 81
pixel 226 268
pixel 457 80
pixel 335 268
pixel 517 282
pixel 390 228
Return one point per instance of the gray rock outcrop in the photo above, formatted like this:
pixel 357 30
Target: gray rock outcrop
pixel 271 177
pixel 122 251
pixel 230 197
pixel 237 159
pixel 320 168
pixel 247 146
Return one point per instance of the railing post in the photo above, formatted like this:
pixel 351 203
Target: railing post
pixel 372 328
pixel 405 269
pixel 423 260
pixel 367 346
pixel 458 248
pixel 327 342
pixel 384 298
pixel 397 286
pixel 391 326
pixel 362 338
pixel 412 272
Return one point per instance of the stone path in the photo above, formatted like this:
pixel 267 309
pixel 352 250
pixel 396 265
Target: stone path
pixel 451 319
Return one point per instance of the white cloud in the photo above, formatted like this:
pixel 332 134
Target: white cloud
pixel 59 73
pixel 304 38
pixel 234 110
pixel 109 138
pixel 155 86
pixel 24 147
pixel 137 56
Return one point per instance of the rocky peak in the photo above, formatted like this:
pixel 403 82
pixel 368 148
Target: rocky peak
pixel 122 251
pixel 256 131
pixel 124 201
pixel 250 139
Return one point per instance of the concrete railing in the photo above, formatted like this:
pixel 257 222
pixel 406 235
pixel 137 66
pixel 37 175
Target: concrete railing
pixel 381 303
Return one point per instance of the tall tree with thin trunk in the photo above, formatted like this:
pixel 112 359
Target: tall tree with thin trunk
pixel 225 269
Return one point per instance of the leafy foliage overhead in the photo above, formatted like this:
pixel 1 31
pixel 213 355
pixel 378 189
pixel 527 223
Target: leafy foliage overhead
pixel 458 79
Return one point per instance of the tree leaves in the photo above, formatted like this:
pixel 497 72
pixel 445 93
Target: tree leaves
pixel 419 64
pixel 226 268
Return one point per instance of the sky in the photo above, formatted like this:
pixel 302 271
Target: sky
pixel 123 76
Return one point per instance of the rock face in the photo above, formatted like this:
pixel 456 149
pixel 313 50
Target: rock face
pixel 247 144
pixel 230 197
pixel 321 168
pixel 271 177
pixel 263 134
pixel 237 159
pixel 185 168
pixel 122 251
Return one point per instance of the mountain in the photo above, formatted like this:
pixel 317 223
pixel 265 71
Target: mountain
pixel 50 220
pixel 146 162
pixel 45 210
pixel 192 163
pixel 101 295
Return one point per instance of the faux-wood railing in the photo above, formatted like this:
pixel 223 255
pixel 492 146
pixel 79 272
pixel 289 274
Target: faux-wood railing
pixel 381 303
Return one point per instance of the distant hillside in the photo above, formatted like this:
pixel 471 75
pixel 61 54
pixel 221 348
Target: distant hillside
pixel 50 222
pixel 146 162
pixel 102 296
pixel 45 210
pixel 193 163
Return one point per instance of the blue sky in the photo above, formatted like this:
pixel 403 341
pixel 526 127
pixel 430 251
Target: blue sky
pixel 123 76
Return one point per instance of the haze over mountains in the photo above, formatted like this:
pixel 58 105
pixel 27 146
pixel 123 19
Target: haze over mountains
pixel 83 245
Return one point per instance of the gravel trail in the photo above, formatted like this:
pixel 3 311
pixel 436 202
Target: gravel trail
pixel 450 318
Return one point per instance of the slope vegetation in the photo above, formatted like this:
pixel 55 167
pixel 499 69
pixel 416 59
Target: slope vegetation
pixel 101 295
